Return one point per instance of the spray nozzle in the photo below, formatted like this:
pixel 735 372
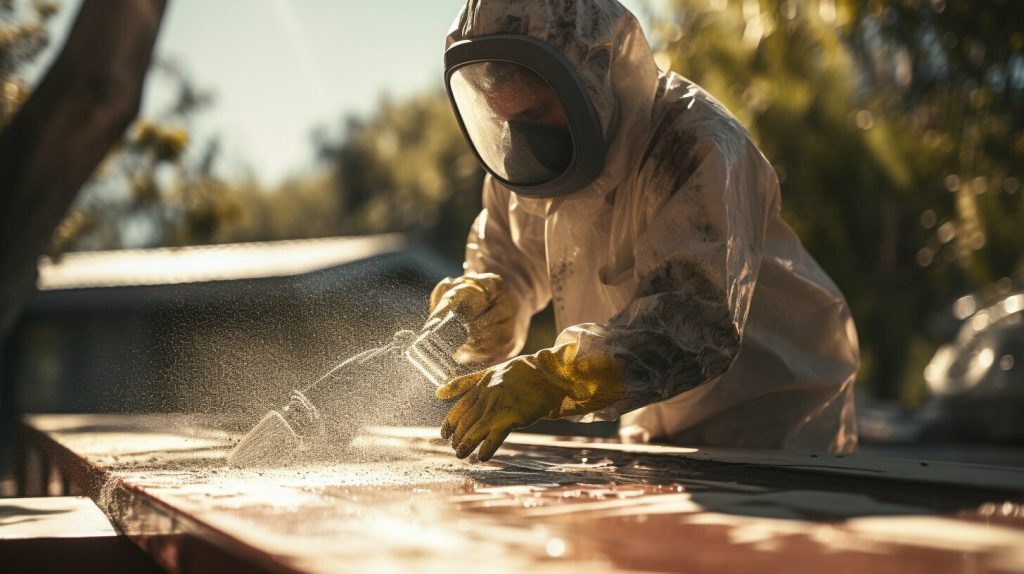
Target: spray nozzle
pixel 433 350
pixel 284 432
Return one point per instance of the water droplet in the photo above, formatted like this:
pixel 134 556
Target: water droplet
pixel 980 321
pixel 865 120
pixel 946 232
pixel 925 257
pixel 983 360
pixel 555 548
pixel 979 185
pixel 1006 362
pixel 977 240
pixel 1014 304
pixel 965 306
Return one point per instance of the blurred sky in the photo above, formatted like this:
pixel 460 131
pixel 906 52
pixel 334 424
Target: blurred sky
pixel 280 68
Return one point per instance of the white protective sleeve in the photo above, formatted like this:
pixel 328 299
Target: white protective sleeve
pixel 703 216
pixel 514 249
pixel 696 261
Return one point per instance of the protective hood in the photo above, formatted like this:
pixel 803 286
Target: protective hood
pixel 605 44
pixel 675 260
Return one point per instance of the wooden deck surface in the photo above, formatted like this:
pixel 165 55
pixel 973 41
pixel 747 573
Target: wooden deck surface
pixel 397 500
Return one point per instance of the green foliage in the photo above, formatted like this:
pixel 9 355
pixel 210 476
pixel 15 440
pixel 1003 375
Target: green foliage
pixel 895 127
pixel 406 168
pixel 300 208
pixel 148 191
pixel 23 36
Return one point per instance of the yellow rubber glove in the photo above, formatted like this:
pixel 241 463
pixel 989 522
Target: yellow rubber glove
pixel 482 302
pixel 552 383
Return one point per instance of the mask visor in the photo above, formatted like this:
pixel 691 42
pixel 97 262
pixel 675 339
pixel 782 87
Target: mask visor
pixel 514 119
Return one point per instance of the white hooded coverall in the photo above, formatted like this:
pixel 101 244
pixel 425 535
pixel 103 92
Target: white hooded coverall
pixel 676 257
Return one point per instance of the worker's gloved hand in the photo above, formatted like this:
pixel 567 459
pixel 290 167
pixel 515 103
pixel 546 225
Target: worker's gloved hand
pixel 484 304
pixel 552 383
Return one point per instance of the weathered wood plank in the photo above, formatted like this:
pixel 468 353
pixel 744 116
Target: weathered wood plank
pixel 397 500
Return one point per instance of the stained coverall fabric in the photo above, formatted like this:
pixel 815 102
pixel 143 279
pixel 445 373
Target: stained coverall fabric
pixel 676 259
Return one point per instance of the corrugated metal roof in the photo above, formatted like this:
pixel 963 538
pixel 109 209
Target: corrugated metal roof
pixel 176 265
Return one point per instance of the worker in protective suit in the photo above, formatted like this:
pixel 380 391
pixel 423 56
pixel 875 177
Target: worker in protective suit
pixel 640 208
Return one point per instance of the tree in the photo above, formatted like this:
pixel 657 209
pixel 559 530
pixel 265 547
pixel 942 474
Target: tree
pixel 894 127
pixel 406 168
pixel 22 38
pixel 148 191
pixel 61 132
